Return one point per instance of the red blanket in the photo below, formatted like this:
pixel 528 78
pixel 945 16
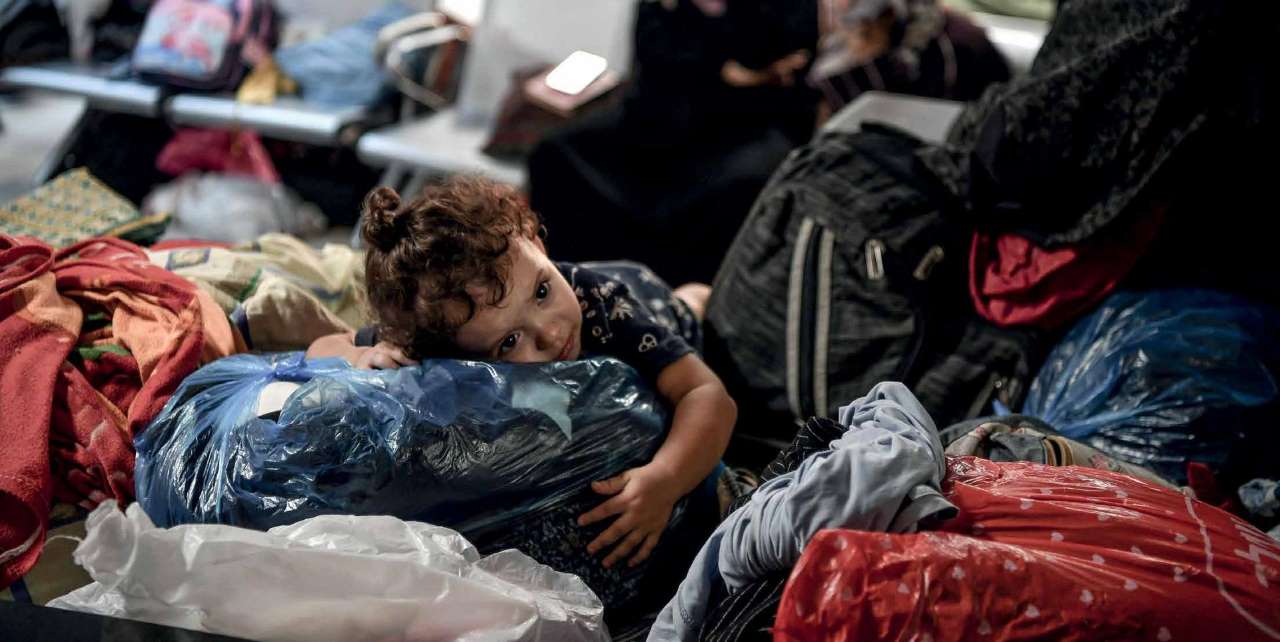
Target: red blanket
pixel 93 340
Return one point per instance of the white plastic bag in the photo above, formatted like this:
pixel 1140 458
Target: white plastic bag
pixel 332 577
pixel 231 209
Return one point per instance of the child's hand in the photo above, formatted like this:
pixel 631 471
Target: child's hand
pixel 643 497
pixel 383 356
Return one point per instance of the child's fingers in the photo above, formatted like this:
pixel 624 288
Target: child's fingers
pixel 365 359
pixel 609 536
pixel 611 486
pixel 621 550
pixel 397 355
pixel 383 361
pixel 611 507
pixel 650 543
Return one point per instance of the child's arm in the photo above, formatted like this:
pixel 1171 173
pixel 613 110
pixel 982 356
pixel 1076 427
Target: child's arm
pixel 644 496
pixel 384 355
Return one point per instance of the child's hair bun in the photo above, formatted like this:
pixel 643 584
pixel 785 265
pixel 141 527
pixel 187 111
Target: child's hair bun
pixel 381 228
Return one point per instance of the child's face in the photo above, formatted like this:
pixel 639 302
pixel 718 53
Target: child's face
pixel 538 321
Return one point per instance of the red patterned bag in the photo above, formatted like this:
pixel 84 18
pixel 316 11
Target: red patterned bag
pixel 1042 553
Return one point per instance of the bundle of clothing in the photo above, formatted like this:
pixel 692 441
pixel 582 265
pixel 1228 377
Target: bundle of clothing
pixel 1180 381
pixel 341 69
pixel 861 521
pixel 1090 170
pixel 883 474
pixel 94 339
pixel 1088 175
pixel 279 292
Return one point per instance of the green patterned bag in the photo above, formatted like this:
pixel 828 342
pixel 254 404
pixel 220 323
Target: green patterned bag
pixel 76 206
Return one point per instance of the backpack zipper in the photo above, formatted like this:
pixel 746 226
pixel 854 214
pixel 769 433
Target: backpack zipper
pixel 808 320
pixel 931 258
pixel 795 307
pixel 875 259
pixel 821 335
pixel 998 387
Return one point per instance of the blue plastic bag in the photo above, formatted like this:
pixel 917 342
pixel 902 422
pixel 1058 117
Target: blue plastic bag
pixel 503 453
pixel 1166 377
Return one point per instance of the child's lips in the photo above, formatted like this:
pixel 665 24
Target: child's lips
pixel 566 350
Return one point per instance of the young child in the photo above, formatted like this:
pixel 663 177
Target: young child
pixel 462 272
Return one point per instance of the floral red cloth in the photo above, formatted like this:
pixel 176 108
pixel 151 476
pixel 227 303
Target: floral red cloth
pixel 93 340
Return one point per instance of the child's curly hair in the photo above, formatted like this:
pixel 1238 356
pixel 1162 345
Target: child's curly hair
pixel 423 256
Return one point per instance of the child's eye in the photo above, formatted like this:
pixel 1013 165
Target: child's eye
pixel 543 291
pixel 509 342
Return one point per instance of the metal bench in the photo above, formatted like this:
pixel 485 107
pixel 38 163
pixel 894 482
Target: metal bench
pixel 288 118
pixel 91 83
pixel 99 91
pixel 511 34
pixel 438 144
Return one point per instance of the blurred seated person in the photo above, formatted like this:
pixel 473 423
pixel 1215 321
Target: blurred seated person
pixel 721 91
pixel 716 100
pixel 903 46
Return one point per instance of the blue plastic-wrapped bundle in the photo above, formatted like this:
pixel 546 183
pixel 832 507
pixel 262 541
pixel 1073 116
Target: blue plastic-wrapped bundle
pixel 503 453
pixel 1166 377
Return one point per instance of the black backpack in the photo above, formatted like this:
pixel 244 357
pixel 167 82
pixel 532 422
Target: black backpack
pixel 851 270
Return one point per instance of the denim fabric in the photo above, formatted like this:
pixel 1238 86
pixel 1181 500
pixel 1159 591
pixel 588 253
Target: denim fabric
pixel 339 70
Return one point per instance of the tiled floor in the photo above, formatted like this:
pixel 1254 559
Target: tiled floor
pixel 33 123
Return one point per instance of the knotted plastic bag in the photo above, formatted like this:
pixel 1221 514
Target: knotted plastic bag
pixel 1166 377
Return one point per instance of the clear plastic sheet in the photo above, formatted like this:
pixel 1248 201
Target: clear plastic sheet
pixel 1166 377
pixel 231 209
pixel 331 577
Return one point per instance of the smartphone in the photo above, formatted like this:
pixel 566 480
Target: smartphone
pixel 576 72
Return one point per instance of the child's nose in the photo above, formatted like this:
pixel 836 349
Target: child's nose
pixel 550 337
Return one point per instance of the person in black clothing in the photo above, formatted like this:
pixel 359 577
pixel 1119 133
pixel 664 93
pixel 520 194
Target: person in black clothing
pixel 715 102
pixel 721 92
